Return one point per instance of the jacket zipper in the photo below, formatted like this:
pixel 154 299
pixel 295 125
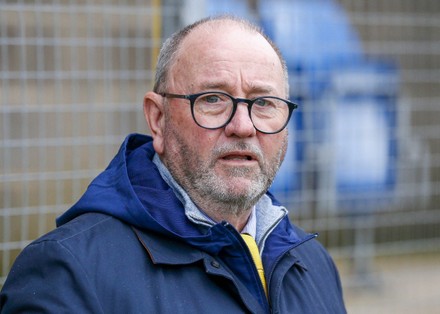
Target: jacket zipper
pixel 227 225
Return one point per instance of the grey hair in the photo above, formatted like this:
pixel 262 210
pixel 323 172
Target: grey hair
pixel 171 47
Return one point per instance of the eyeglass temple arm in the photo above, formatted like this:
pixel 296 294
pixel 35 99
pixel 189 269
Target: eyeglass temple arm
pixel 174 95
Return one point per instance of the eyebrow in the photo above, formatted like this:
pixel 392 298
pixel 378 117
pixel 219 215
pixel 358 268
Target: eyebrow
pixel 214 85
pixel 261 88
pixel 224 85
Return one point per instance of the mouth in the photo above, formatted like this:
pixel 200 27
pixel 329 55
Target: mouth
pixel 239 156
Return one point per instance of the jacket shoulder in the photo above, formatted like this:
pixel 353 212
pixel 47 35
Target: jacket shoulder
pixel 82 224
pixel 55 273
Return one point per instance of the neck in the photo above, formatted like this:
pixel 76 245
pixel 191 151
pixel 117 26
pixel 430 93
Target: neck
pixel 237 218
pixel 235 213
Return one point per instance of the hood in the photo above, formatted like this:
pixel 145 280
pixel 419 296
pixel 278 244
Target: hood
pixel 132 190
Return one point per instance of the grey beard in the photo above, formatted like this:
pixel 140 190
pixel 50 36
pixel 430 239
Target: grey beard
pixel 228 202
pixel 206 189
pixel 210 187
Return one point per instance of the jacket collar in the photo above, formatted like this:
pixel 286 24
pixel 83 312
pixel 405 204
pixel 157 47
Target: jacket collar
pixel 268 215
pixel 164 250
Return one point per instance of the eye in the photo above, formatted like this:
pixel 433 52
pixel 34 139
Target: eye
pixel 213 104
pixel 211 98
pixel 263 102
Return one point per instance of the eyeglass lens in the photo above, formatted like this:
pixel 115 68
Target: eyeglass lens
pixel 268 114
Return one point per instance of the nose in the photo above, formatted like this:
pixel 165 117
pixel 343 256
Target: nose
pixel 241 124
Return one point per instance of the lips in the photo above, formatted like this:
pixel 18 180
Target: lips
pixel 239 156
pixel 232 157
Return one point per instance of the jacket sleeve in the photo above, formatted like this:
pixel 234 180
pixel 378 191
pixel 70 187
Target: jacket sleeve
pixel 47 278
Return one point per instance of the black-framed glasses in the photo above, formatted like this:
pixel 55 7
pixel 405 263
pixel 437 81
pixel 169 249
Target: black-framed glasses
pixel 214 110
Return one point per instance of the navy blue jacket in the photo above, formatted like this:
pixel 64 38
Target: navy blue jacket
pixel 127 247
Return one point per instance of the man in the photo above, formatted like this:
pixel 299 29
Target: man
pixel 168 226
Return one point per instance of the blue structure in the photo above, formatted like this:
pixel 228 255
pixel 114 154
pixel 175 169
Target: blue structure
pixel 344 128
pixel 365 99
pixel 347 103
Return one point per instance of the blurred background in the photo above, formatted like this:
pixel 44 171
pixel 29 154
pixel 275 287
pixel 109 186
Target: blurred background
pixel 363 165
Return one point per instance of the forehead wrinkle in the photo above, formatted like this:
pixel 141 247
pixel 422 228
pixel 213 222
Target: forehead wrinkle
pixel 262 85
pixel 233 83
pixel 228 82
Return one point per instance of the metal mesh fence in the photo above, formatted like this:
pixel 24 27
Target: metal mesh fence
pixel 72 78
pixel 71 86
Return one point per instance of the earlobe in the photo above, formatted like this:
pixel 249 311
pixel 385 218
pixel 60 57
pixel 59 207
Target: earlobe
pixel 154 115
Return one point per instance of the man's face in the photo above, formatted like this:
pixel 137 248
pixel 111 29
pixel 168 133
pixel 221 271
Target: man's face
pixel 232 166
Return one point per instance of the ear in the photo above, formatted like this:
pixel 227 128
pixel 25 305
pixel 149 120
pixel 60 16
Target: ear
pixel 154 115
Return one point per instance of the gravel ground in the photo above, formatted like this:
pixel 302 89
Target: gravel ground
pixel 398 284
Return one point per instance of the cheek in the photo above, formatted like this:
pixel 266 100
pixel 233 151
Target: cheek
pixel 274 146
pixel 180 117
pixel 182 130
pixel 203 141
